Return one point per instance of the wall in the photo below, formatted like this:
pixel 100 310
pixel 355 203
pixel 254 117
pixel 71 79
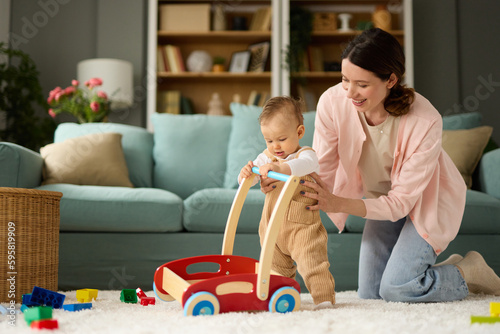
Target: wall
pixel 456 52
pixel 58 34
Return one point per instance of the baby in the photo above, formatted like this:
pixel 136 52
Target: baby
pixel 302 238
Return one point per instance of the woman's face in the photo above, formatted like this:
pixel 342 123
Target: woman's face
pixel 366 91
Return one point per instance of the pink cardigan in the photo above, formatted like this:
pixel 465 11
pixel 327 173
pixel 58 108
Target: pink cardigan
pixel 426 185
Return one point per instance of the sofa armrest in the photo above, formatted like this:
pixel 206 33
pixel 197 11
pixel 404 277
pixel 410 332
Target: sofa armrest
pixel 19 167
pixel 489 173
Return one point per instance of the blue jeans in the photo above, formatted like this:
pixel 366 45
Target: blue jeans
pixel 396 264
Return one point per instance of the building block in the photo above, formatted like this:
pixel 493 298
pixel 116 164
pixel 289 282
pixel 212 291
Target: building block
pixel 77 307
pixel 37 313
pixel 483 320
pixel 28 302
pixel 495 309
pixel 86 295
pixel 145 301
pixel 45 324
pixel 128 296
pixel 140 293
pixel 47 297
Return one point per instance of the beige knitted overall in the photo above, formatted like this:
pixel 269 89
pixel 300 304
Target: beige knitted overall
pixel 302 239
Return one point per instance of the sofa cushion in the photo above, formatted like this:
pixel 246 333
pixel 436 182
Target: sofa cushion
pixel 207 210
pixel 117 209
pixel 93 159
pixel 489 173
pixel 481 214
pixel 246 140
pixel 137 146
pixel 465 148
pixel 21 167
pixel 462 121
pixel 189 152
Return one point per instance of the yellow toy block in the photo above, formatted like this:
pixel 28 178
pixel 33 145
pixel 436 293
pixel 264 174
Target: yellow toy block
pixel 495 309
pixel 86 295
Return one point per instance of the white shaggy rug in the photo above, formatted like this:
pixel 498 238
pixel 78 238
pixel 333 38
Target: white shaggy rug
pixel 349 315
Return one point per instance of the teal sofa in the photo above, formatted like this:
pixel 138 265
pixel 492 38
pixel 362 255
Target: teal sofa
pixel 184 177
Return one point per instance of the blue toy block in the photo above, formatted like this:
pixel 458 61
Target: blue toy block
pixel 47 297
pixel 77 307
pixel 28 302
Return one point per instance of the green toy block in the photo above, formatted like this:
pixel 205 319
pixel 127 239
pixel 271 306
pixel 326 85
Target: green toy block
pixel 128 296
pixel 37 313
pixel 483 320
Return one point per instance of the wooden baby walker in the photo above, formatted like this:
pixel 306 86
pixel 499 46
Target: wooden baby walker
pixel 241 283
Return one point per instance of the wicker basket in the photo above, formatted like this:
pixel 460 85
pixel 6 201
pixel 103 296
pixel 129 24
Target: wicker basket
pixel 29 241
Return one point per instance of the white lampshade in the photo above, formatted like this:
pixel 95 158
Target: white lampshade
pixel 116 75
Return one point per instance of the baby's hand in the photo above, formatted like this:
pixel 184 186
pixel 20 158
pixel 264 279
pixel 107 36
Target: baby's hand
pixel 246 171
pixel 264 169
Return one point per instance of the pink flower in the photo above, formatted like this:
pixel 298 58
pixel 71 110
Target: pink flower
pixel 102 95
pixel 94 106
pixel 91 83
pixel 58 95
pixel 75 83
pixel 52 113
pixel 69 90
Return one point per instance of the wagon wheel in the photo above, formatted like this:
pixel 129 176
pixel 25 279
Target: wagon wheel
pixel 202 303
pixel 284 300
pixel 162 296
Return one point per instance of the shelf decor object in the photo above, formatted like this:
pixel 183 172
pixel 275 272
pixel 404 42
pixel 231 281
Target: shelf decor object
pixel 239 62
pixel 259 54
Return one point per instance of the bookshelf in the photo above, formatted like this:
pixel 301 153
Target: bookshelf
pixel 275 79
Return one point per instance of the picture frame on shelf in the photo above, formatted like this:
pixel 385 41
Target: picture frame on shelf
pixel 240 61
pixel 259 54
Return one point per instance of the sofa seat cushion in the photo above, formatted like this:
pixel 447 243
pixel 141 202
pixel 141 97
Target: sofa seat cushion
pixel 117 209
pixel 480 216
pixel 207 210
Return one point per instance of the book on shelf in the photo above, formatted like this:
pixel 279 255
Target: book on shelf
pixel 186 106
pixel 315 56
pixel 261 20
pixel 172 59
pixel 258 98
pixel 169 101
pixel 308 98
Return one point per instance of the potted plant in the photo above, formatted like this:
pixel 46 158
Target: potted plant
pixel 20 97
pixel 301 26
pixel 218 64
pixel 86 104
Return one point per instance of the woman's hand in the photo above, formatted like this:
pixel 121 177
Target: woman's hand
pixel 267 185
pixel 326 200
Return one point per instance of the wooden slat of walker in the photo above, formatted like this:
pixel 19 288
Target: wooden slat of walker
pixel 32 218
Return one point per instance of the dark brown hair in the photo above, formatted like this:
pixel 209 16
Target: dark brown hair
pixel 285 105
pixel 377 51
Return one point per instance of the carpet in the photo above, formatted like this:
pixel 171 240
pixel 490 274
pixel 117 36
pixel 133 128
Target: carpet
pixel 349 315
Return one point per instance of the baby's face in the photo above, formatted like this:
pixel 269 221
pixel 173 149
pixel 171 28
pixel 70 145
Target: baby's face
pixel 282 135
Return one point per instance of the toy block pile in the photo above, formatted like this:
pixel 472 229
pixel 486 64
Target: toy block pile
pixel 493 318
pixel 131 295
pixel 38 305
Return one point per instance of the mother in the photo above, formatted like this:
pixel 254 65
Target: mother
pixel 380 154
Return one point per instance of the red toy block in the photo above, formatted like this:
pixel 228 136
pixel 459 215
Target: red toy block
pixel 145 301
pixel 45 324
pixel 140 293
